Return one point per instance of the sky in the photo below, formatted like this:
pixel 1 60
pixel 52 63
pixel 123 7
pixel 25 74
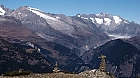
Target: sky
pixel 128 9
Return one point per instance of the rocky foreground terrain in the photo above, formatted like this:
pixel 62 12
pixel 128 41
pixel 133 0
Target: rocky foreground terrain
pixel 53 75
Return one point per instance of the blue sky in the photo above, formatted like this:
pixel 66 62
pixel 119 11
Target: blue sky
pixel 129 9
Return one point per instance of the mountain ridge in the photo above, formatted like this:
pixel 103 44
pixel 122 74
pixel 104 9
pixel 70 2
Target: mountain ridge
pixel 54 28
pixel 122 58
pixel 13 31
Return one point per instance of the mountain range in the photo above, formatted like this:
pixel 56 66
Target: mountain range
pixel 79 32
pixel 113 25
pixel 64 30
pixel 74 42
pixel 12 31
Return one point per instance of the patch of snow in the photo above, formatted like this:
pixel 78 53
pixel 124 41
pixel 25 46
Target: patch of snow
pixel 107 21
pixel 19 13
pixel 39 49
pixel 92 19
pixel 118 36
pixel 30 44
pixel 35 9
pixel 84 18
pixel 58 17
pixel 78 15
pixel 99 21
pixel 93 70
pixel 117 19
pixel 41 14
pixel 2 12
pixel 125 22
pixel 87 48
pixel 100 14
pixel 97 14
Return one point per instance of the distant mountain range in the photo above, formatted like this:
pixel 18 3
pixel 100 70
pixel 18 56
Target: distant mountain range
pixel 72 32
pixel 79 32
pixel 73 41
pixel 113 25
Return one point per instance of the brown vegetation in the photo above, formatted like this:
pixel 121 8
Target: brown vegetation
pixel 49 75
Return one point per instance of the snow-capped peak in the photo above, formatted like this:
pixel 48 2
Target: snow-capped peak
pixel 107 21
pixel 35 9
pixel 104 19
pixel 117 19
pixel 57 17
pixel 99 20
pixel 92 19
pixel 2 12
pixel 78 15
pixel 38 12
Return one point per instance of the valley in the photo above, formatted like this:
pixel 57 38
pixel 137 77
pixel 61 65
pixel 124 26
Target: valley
pixel 35 40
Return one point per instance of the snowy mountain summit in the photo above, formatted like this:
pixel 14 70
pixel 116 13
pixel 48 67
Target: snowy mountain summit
pixel 104 20
pixel 38 12
pixel 4 10
pixel 112 24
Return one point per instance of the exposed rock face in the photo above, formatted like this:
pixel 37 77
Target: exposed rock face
pixel 122 58
pixel 13 28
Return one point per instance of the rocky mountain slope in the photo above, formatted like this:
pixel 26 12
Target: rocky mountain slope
pixel 12 30
pixel 122 58
pixel 72 32
pixel 135 41
pixel 14 58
